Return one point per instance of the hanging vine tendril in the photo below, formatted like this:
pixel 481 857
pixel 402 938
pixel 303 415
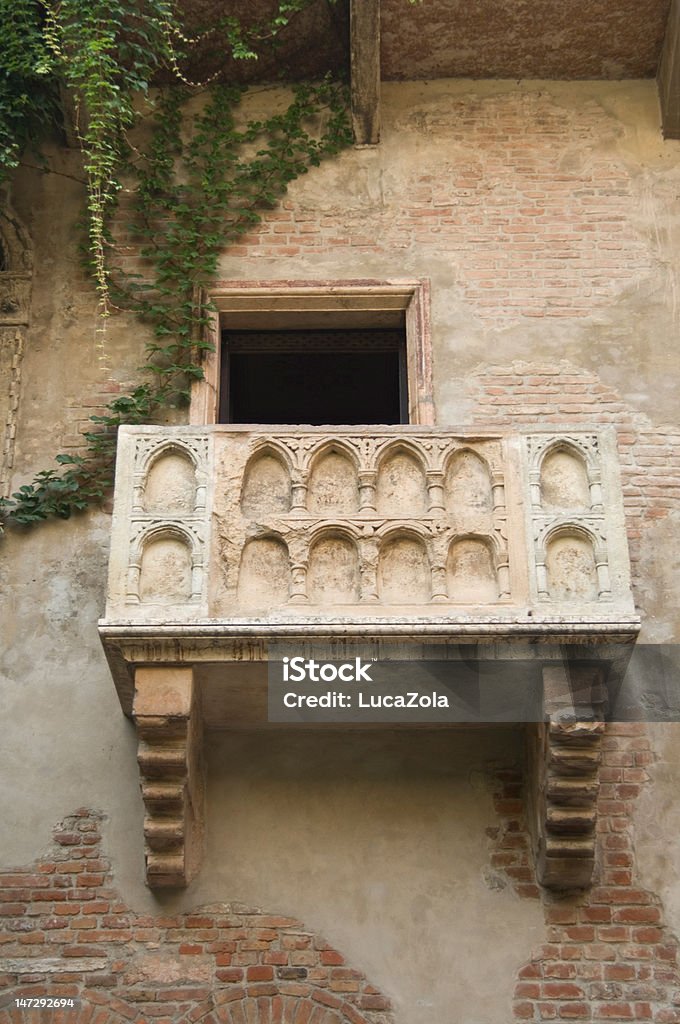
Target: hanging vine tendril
pixel 193 196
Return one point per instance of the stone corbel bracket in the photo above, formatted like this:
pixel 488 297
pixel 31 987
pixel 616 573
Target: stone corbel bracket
pixel 565 754
pixel 169 727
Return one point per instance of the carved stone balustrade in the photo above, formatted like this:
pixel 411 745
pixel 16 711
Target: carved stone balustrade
pixel 225 538
pixel 224 524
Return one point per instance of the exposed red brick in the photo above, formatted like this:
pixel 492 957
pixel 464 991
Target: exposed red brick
pixel 229 947
pixel 260 973
pixel 329 957
pixel 610 940
pixel 233 974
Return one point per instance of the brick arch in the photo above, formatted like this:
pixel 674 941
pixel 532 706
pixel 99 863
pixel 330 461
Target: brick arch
pixel 269 1004
pixel 255 1005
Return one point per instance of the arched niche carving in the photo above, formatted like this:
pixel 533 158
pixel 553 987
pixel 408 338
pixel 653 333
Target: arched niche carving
pixel 404 572
pixel 467 489
pixel 470 572
pixel 401 488
pixel 266 486
pixel 166 569
pixel 333 484
pixel 170 486
pixel 264 573
pixel 333 576
pixel 571 567
pixel 564 481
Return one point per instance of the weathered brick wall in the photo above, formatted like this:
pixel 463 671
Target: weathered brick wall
pixel 66 933
pixel 608 954
pixel 525 197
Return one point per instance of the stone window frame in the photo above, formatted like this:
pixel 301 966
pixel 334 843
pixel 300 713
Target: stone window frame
pixel 272 305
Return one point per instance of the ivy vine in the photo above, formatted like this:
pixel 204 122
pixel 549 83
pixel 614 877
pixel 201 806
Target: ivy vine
pixel 107 52
pixel 193 196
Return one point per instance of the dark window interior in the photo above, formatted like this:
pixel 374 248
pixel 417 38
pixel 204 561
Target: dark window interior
pixel 314 376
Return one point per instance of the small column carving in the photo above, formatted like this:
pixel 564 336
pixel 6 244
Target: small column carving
pixel 298 583
pixel 439 588
pixel 367 491
pixel 498 491
pixel 368 552
pixel 535 488
pixel 596 493
pixel 503 573
pixel 435 486
pixel 170 740
pixel 298 494
pixel 604 587
pixel 565 757
pixel 133 580
pixel 541 576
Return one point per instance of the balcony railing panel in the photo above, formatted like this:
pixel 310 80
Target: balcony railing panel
pixel 378 524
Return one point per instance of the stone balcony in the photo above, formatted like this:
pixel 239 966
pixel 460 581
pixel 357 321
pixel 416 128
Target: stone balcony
pixel 264 530
pixel 226 538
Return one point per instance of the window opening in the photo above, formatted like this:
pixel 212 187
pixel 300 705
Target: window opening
pixel 317 377
pixel 373 334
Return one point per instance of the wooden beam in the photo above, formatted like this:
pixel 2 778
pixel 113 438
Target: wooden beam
pixel 668 78
pixel 365 65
